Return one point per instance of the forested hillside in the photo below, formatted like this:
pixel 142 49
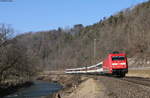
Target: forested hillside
pixel 127 31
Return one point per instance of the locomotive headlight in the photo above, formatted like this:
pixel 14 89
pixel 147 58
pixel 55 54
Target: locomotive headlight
pixel 114 63
pixel 122 63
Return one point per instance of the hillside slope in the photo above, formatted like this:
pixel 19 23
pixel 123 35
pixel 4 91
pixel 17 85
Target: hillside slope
pixel 127 31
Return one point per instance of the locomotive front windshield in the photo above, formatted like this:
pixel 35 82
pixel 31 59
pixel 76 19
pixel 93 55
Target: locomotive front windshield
pixel 114 58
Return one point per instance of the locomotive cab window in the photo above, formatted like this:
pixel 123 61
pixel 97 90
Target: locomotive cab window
pixel 118 58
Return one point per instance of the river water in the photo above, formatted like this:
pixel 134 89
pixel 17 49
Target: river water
pixel 38 90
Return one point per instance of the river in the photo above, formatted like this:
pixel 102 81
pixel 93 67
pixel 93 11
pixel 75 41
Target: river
pixel 38 90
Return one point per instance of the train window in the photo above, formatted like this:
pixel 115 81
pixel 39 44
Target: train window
pixel 118 58
pixel 100 65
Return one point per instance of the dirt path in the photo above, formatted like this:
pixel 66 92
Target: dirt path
pixel 87 89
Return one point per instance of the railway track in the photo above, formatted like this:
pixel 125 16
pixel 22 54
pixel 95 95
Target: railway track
pixel 135 80
pixel 138 80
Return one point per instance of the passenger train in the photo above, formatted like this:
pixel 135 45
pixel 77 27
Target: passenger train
pixel 114 64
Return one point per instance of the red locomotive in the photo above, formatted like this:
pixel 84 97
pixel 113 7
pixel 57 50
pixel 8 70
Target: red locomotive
pixel 115 64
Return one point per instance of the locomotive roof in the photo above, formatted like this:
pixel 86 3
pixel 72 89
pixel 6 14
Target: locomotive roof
pixel 121 54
